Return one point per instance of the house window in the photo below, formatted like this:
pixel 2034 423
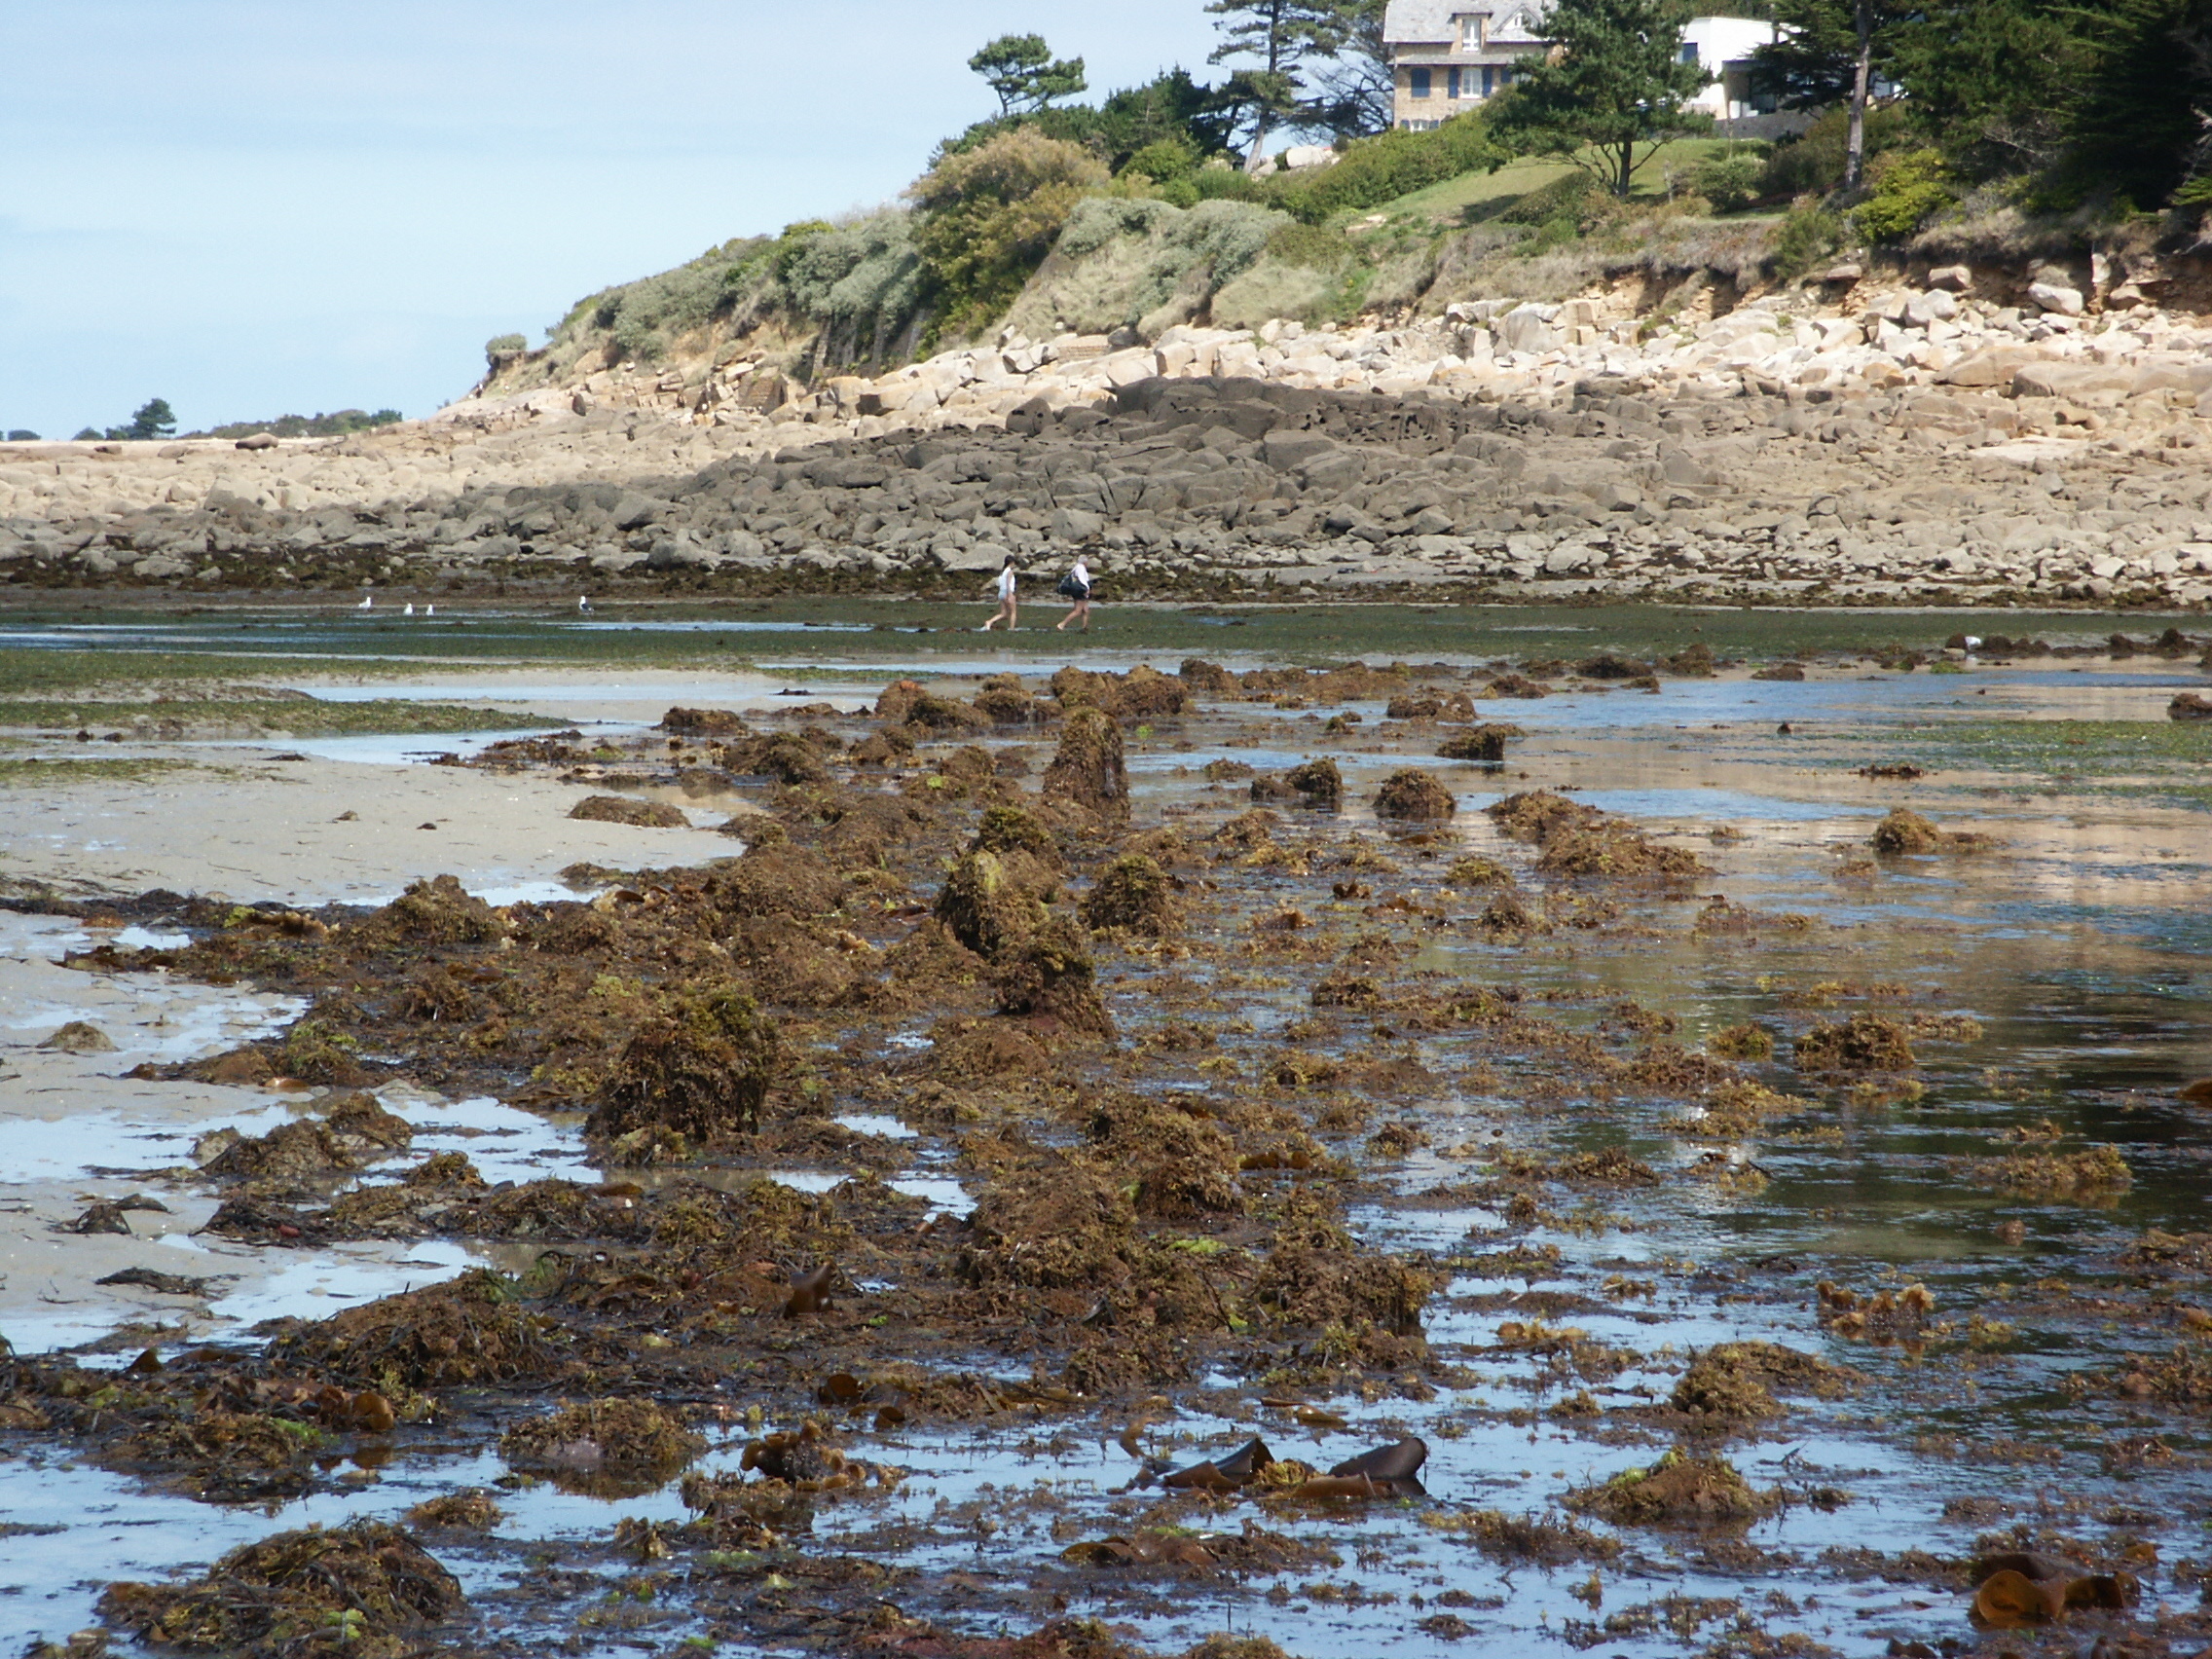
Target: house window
pixel 1418 82
pixel 1689 52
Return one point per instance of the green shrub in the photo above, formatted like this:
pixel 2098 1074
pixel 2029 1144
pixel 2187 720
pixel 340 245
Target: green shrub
pixel 1730 182
pixel 1317 248
pixel 503 346
pixel 1911 187
pixel 22 435
pixel 1808 235
pixel 1813 163
pixel 989 216
pixel 1382 168
pixel 1229 184
pixel 1164 160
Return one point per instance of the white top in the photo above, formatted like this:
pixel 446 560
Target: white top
pixel 1080 574
pixel 1006 581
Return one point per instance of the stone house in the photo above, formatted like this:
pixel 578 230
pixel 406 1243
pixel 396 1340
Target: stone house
pixel 1447 56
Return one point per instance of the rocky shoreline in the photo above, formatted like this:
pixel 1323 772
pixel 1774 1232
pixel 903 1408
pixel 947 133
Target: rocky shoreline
pixel 1838 447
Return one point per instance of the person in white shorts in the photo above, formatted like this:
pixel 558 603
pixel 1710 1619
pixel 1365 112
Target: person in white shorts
pixel 1006 597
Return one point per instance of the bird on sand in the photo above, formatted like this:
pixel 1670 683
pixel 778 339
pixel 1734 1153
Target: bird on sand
pixel 429 610
pixel 583 603
pixel 367 602
pixel 410 611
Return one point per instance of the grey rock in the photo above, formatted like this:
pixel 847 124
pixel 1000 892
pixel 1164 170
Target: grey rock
pixel 635 512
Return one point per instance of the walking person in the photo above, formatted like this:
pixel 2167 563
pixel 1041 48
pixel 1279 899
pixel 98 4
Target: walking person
pixel 1076 584
pixel 1007 580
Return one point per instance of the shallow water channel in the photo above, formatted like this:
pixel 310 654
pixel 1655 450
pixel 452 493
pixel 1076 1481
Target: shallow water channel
pixel 2079 947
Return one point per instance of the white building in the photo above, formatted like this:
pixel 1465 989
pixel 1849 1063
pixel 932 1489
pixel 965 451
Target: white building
pixel 1449 55
pixel 1722 48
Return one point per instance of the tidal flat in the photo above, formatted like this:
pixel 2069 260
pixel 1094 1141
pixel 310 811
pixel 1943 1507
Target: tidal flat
pixel 1055 1146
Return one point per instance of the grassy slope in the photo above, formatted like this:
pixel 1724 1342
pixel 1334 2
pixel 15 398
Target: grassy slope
pixel 1447 204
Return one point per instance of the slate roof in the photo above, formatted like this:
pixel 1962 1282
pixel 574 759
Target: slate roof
pixel 1428 23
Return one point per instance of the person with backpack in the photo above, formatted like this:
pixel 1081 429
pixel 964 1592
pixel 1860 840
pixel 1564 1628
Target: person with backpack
pixel 1007 579
pixel 1076 584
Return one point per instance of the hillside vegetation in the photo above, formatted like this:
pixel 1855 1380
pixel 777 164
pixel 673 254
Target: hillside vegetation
pixel 1138 213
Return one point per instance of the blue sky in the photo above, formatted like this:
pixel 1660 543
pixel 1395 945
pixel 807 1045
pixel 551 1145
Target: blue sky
pixel 254 208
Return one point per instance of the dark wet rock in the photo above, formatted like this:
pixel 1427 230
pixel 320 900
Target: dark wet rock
pixel 1393 1469
pixel 2189 706
pixel 80 1037
pixel 1412 794
pixel 702 1069
pixel 1088 768
pixel 1226 1473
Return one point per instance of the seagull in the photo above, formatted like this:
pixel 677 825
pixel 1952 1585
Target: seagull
pixel 429 610
pixel 367 601
pixel 583 603
pixel 410 611
pixel 1973 641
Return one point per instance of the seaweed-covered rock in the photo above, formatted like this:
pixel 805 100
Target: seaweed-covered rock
pixel 619 1434
pixel 702 1069
pixel 1485 743
pixel 1049 973
pixel 1009 702
pixel 1680 1490
pixel 986 905
pixel 1906 831
pixel 354 1131
pixel 1412 794
pixel 1087 769
pixel 1135 895
pixel 780 881
pixel 1318 783
pixel 470 1330
pixel 908 703
pixel 366 1588
pixel 437 912
pixel 1864 1043
pixel 621 809
pixel 704 722
pixel 1006 829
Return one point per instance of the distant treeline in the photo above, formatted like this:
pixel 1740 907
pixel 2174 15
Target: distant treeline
pixel 306 425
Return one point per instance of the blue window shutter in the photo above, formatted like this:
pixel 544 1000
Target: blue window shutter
pixel 1455 80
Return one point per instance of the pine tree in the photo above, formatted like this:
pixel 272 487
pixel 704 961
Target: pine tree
pixel 1023 70
pixel 1614 80
pixel 1284 36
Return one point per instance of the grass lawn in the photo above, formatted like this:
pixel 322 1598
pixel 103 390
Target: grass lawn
pixel 1447 202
